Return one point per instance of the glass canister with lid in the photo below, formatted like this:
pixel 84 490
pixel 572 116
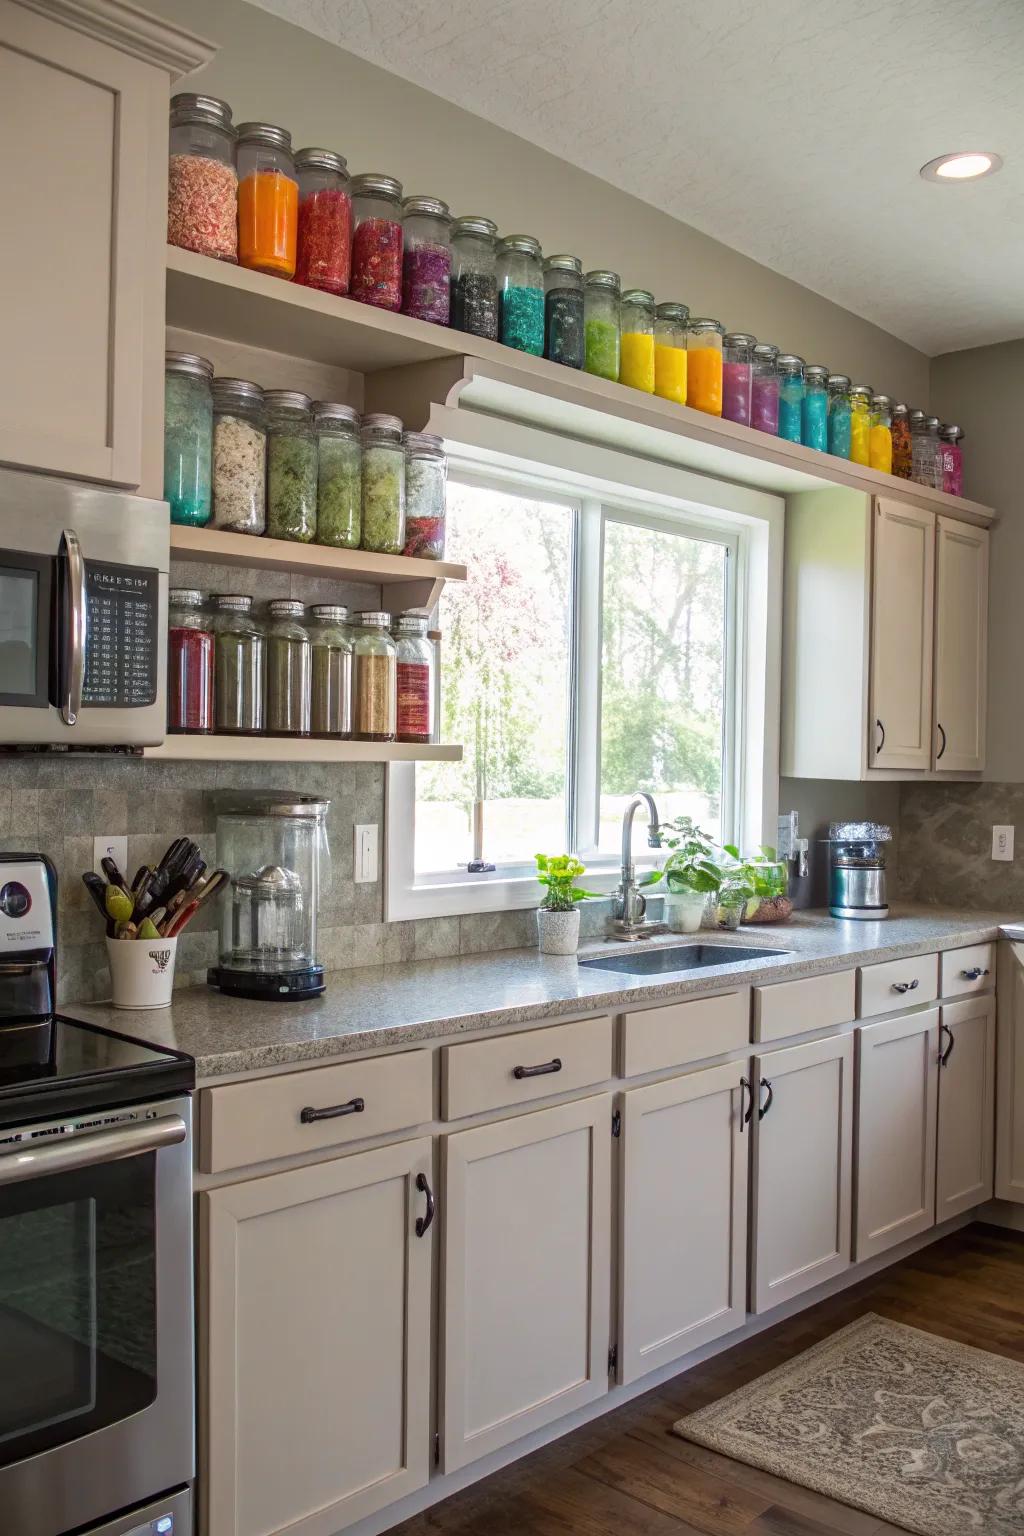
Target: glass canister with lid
pixel 880 434
pixel 324 250
pixel 951 459
pixel 636 354
pixel 902 459
pixel 738 377
pixel 414 720
pixel 814 419
pixel 764 389
pixel 602 325
pixel 427 259
pixel 190 663
pixel 291 466
pixel 839 412
pixel 331 706
pixel 383 484
pixel 791 396
pixel 339 496
pixel 521 293
pixel 377 240
pixel 704 366
pixel 924 445
pixel 239 667
pixel 563 310
pixel 268 199
pixel 861 396
pixel 670 320
pixel 239 457
pixel 188 437
pixel 426 484
pixel 474 279
pixel 289 669
pixel 374 679
pixel 202 184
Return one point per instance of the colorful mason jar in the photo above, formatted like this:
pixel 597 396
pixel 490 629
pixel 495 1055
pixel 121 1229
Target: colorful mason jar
pixel 427 259
pixel 738 377
pixel 268 200
pixel 202 184
pixel 324 256
pixel 377 240
pixel 383 484
pixel 239 457
pixel 474 281
pixel 814 420
pixel 602 323
pixel 636 364
pixel 902 459
pixel 188 437
pixel 764 391
pixel 880 435
pixel 791 396
pixel 670 322
pixel 952 459
pixel 563 310
pixel 861 396
pixel 521 293
pixel 839 412
pixel 339 486
pixel 704 365
pixel 291 466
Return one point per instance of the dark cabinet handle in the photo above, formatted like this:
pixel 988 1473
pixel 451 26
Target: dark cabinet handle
pixel 766 1106
pixel 746 1114
pixel 944 1056
pixel 906 986
pixel 881 730
pixel 942 749
pixel 543 1070
pixel 424 1221
pixel 975 972
pixel 332 1112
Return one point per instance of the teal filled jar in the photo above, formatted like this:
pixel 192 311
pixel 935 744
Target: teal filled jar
pixel 814 428
pixel 839 415
pixel 521 294
pixel 790 369
pixel 188 438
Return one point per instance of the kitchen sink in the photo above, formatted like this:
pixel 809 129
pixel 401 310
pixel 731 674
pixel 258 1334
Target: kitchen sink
pixel 679 957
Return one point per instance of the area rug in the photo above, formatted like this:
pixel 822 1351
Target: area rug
pixel 917 1430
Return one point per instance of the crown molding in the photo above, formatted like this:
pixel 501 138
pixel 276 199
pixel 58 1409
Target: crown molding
pixel 132 30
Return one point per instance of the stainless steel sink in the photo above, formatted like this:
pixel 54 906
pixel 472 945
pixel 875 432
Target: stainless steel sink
pixel 679 957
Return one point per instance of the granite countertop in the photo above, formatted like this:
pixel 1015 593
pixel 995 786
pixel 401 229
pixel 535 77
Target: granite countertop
pixel 377 1007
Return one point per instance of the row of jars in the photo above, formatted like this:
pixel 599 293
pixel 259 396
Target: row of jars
pixel 297 671
pixel 248 460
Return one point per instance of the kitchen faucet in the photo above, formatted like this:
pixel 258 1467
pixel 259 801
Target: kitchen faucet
pixel 628 906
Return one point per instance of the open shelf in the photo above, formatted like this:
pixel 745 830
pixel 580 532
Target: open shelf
pixel 296 749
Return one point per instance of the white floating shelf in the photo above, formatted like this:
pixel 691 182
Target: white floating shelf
pixel 296 749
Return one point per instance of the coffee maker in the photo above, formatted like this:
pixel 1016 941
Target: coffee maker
pixel 857 869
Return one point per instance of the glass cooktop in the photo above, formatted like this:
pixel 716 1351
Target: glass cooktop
pixel 57 1065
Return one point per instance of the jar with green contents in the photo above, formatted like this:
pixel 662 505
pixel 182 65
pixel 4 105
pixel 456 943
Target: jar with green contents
pixel 602 325
pixel 239 457
pixel 291 466
pixel 331 713
pixel 239 666
pixel 426 483
pixel 339 496
pixel 383 485
pixel 636 357
pixel 521 293
pixel 188 438
pixel 670 322
pixel 289 669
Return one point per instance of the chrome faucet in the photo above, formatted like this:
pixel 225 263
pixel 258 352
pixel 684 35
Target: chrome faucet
pixel 628 906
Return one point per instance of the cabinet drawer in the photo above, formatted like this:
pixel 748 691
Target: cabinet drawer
pixel 495 1074
pixel 957 968
pixel 244 1123
pixel 681 1033
pixel 897 984
pixel 794 1007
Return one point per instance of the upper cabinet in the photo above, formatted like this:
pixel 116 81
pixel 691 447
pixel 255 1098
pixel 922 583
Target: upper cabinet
pixel 961 645
pixel 902 627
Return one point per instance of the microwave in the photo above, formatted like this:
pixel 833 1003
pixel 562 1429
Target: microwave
pixel 83 615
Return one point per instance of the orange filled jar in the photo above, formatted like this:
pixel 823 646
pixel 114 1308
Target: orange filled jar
pixel 704 365
pixel 268 200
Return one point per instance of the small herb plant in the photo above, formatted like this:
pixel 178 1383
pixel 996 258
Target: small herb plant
pixel 559 873
pixel 692 865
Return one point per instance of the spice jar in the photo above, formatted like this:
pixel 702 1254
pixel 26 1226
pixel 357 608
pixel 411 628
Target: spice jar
pixel 521 293
pixel 602 322
pixel 415 678
pixel 339 495
pixel 861 396
pixel 839 412
pixel 202 185
pixel 383 485
pixel 814 420
pixel 738 377
pixel 377 240
pixel 426 477
pixel 791 396
pixel 670 351
pixel 268 199
pixel 289 669
pixel 636 356
pixel 902 460
pixel 563 310
pixel 190 661
pixel 951 459
pixel 331 706
pixel 239 666
pixel 188 437
pixel 374 679
pixel 474 279
pixel 764 389
pixel 704 366
pixel 880 435
pixel 427 259
pixel 239 457
pixel 324 251
pixel 291 466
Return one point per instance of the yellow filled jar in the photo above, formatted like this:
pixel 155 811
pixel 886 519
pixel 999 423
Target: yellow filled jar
pixel 861 396
pixel 636 356
pixel 880 435
pixel 704 365
pixel 670 352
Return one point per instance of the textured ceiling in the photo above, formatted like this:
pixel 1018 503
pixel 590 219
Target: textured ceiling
pixel 792 131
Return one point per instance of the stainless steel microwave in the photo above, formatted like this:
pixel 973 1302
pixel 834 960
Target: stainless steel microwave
pixel 83 615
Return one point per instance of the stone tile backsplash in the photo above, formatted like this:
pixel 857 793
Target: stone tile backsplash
pixel 946 845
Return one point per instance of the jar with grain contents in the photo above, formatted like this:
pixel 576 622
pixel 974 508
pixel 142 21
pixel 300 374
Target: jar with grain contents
pixel 383 484
pixel 240 666
pixel 331 713
pixel 563 310
pixel 426 478
pixel 902 460
pixel 202 186
pixel 289 669
pixel 521 293
pixel 426 259
pixel 377 240
pixel 374 679
pixel 239 457
pixel 324 249
pixel 339 512
pixel 415 672
pixel 474 279
pixel 291 466
pixel 602 325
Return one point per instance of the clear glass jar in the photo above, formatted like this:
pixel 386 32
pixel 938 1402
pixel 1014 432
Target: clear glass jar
pixel 636 356
pixel 861 396
pixel 383 485
pixel 289 669
pixel 339 493
pixel 670 351
pixel 374 679
pixel 880 435
pixel 202 184
pixel 291 466
pixel 814 419
pixel 415 678
pixel 268 200
pixel 924 445
pixel 239 457
pixel 951 459
pixel 331 709
pixel 190 663
pixel 188 437
pixel 791 396
pixel 902 457
pixel 239 667
pixel 521 293
pixel 563 310
pixel 704 366
pixel 377 241
pixel 474 280
pixel 839 412
pixel 602 325
pixel 764 389
pixel 324 243
pixel 426 485
pixel 738 377
pixel 427 259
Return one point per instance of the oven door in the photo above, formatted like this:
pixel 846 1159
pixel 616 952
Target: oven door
pixel 96 1411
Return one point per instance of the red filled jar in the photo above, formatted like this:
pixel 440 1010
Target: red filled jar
pixel 377 241
pixel 416 699
pixel 324 257
pixel 189 664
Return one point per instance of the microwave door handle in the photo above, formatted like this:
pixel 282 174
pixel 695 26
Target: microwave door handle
pixel 73 629
pixel 25 1161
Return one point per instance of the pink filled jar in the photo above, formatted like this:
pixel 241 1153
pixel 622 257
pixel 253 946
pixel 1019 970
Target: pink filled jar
pixel 377 241
pixel 764 389
pixel 737 376
pixel 952 459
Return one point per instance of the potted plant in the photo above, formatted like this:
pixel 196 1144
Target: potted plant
pixel 691 873
pixel 558 916
pixel 769 878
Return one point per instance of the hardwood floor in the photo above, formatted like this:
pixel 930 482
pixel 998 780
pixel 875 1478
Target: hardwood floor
pixel 628 1475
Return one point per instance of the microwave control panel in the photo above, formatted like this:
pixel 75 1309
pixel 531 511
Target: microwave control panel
pixel 121 641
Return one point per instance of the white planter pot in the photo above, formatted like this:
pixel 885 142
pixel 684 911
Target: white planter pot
pixel 684 910
pixel 558 933
pixel 141 972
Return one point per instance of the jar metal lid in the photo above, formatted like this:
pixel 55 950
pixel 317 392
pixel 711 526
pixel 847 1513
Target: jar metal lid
pixel 899 409
pixel 839 381
pixel 286 608
pixel 188 362
pixel 475 224
pixel 739 339
pixel 236 389
pixel 192 107
pixel 766 351
pixel 423 442
pixel 185 597
pixel 375 183
pixel 433 207
pixel 789 360
pixel 320 160
pixel 638 296
pixel 602 279
pixel 708 325
pixel 334 410
pixel 563 264
pixel 337 612
pixel 883 401
pixel 265 133
pixel 951 433
pixel 817 373
pixel 380 421
pixel 526 245
pixel 234 600
pixel 932 423
pixel 863 389
pixel 374 620
pixel 411 623
pixel 673 311
pixel 288 399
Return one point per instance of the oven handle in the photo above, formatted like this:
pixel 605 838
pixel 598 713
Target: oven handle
pixel 74 631
pixel 27 1162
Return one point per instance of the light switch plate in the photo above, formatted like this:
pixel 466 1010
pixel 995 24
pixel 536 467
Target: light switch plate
pixel 365 859
pixel 115 848
pixel 1002 844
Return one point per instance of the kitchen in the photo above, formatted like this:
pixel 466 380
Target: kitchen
pixel 439 1140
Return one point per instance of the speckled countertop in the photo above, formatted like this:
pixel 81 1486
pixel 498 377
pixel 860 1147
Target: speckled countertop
pixel 382 1006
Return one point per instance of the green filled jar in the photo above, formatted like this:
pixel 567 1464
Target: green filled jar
pixel 383 485
pixel 188 438
pixel 291 466
pixel 339 500
pixel 601 325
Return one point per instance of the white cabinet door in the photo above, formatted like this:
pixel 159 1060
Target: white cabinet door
pixel 314 1402
pixel 902 629
pixel 527 1258
pixel 897 1088
pixel 1010 1080
pixel 802 1148
pixel 967 1067
pixel 961 646
pixel 683 1232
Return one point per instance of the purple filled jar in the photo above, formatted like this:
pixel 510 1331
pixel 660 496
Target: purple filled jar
pixel 764 389
pixel 427 260
pixel 737 376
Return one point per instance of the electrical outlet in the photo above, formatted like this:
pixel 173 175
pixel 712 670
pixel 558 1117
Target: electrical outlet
pixel 1002 843
pixel 115 848
pixel 365 860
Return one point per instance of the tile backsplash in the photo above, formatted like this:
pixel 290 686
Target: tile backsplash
pixel 946 844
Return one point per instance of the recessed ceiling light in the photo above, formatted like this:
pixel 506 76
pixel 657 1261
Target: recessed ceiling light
pixel 967 165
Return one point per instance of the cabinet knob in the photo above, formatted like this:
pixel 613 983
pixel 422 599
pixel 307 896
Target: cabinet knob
pixel 975 973
pixel 906 986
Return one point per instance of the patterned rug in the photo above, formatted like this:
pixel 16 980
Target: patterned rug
pixel 917 1430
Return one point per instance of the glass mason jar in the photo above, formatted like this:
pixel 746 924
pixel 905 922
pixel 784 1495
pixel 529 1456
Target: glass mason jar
pixel 563 310
pixel 202 184
pixel 474 279
pixel 339 488
pixel 190 661
pixel 239 667
pixel 426 484
pixel 861 396
pixel 951 459
pixel 383 485
pixel 239 457
pixel 814 419
pixel 415 678
pixel 791 396
pixel 377 241
pixel 602 332
pixel 331 709
pixel 521 293
pixel 764 389
pixel 374 679
pixel 427 259
pixel 268 200
pixel 324 250
pixel 636 342
pixel 289 669
pixel 925 449
pixel 839 412
pixel 188 437
pixel 880 435
pixel 902 459
pixel 704 366
pixel 291 466
pixel 670 321
pixel 738 377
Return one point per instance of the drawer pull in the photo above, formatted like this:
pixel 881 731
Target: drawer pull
pixel 944 1056
pixel 766 1106
pixel 332 1112
pixel 424 1221
pixel 545 1068
pixel 906 986
pixel 975 972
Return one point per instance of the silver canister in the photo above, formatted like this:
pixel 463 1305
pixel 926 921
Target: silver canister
pixel 857 877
